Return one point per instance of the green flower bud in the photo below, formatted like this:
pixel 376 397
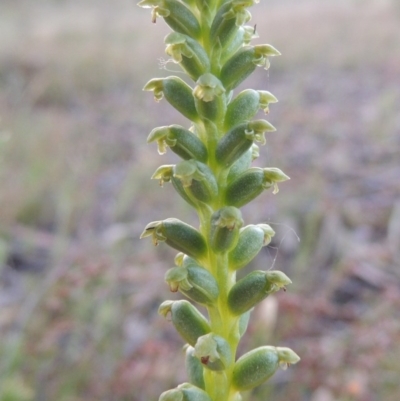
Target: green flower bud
pixel 244 62
pixel 243 36
pixel 175 14
pixel 185 392
pixel 202 191
pixel 251 239
pixel 178 235
pixel 228 19
pixel 197 180
pixel 195 282
pixel 177 92
pixel 225 226
pixel 253 288
pixel 194 368
pixel 239 139
pixel 209 97
pixel 188 321
pixel 258 365
pixel 181 141
pixel 188 53
pixel 243 163
pixel 213 352
pixel 246 105
pixel 251 183
pixel 177 184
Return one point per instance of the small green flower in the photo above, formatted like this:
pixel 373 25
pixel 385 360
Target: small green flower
pixel 208 88
pixel 213 351
pixel 253 288
pixel 195 282
pixel 181 141
pixel 258 365
pixel 188 321
pixel 188 53
pixel 252 183
pixel 225 226
pixel 178 235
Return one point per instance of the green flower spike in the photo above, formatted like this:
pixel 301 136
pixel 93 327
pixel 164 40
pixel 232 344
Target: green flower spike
pixel 211 42
pixel 180 140
pixel 258 365
pixel 188 321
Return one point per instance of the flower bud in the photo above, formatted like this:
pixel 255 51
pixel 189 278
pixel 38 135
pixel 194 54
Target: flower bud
pixel 188 53
pixel 185 392
pixel 258 365
pixel 251 239
pixel 209 97
pixel 246 105
pixel 239 139
pixel 223 29
pixel 225 226
pixel 165 173
pixel 228 19
pixel 243 36
pixel 194 368
pixel 188 321
pixel 213 352
pixel 177 92
pixel 253 288
pixel 244 62
pixel 196 179
pixel 178 235
pixel 175 14
pixel 195 282
pixel 181 141
pixel 252 183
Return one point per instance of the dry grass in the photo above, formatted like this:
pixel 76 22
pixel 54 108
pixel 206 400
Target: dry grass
pixel 74 173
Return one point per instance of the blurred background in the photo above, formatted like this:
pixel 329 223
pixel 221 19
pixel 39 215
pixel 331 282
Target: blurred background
pixel 79 293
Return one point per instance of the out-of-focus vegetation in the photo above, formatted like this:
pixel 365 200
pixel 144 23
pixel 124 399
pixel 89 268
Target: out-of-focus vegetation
pixel 79 293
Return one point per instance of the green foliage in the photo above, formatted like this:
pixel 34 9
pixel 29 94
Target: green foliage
pixel 215 178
